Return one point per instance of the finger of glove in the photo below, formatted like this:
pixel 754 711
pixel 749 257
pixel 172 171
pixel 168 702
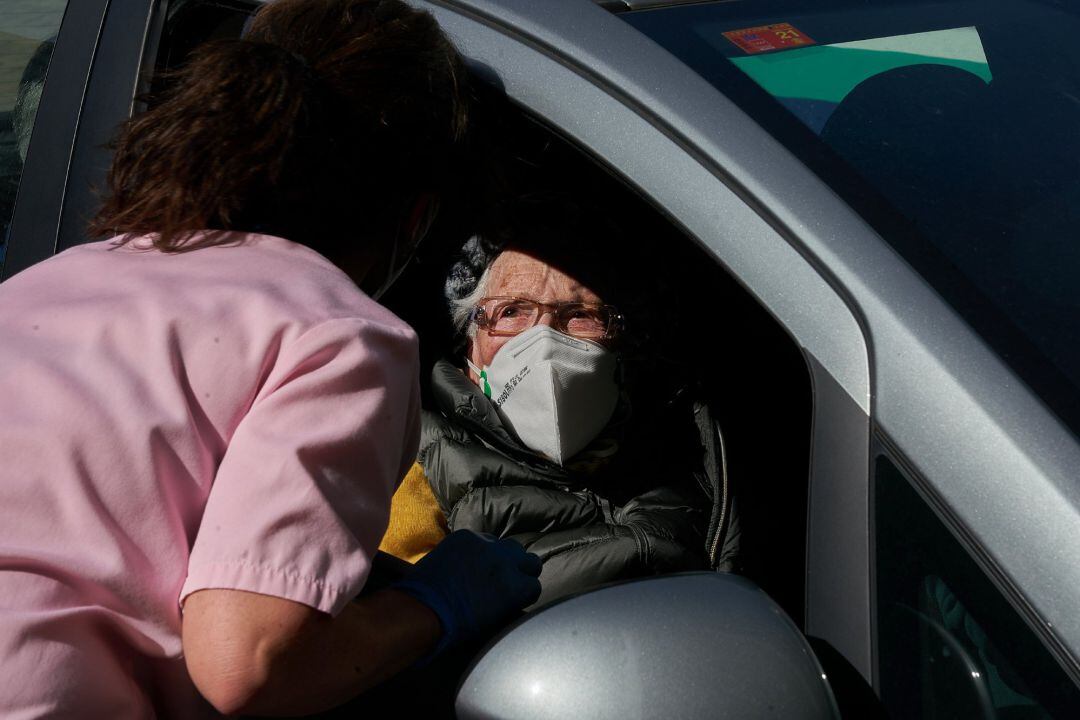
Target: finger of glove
pixel 520 586
pixel 461 562
pixel 484 579
pixel 492 568
pixel 530 592
pixel 503 602
pixel 510 572
pixel 531 564
pixel 521 558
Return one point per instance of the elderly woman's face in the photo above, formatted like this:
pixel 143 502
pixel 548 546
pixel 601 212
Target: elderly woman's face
pixel 519 275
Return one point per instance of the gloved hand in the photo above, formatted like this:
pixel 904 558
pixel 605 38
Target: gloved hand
pixel 473 582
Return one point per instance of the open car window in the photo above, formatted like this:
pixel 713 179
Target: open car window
pixel 702 327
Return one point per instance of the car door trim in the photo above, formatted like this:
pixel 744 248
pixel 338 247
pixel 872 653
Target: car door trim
pixel 108 102
pixel 42 187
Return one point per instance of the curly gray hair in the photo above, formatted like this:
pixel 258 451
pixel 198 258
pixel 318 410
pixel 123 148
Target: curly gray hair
pixel 551 227
pixel 462 308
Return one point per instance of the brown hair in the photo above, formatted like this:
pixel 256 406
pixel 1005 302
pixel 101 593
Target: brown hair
pixel 322 125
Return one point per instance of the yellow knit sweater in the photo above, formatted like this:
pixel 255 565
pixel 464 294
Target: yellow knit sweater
pixel 416 522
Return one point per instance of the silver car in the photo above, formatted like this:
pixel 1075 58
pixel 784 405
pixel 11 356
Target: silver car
pixel 882 202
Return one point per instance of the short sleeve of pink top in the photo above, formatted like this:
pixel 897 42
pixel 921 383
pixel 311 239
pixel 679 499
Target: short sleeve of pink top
pixel 230 417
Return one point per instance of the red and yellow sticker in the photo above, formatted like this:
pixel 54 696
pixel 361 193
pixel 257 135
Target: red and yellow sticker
pixel 764 38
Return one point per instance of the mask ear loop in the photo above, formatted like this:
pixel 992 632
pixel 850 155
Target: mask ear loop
pixel 485 386
pixel 480 373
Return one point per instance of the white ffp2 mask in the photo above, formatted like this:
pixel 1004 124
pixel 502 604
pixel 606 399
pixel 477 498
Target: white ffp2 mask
pixel 555 392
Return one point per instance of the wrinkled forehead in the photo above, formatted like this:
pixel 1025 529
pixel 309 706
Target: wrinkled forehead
pixel 524 273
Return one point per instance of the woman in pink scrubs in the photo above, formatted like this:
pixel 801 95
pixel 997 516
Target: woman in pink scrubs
pixel 203 418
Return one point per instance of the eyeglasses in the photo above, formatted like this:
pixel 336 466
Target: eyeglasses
pixel 505 316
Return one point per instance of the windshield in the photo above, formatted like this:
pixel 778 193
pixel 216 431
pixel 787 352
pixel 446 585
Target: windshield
pixel 953 128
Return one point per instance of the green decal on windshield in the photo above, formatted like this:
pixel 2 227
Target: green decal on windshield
pixel 829 72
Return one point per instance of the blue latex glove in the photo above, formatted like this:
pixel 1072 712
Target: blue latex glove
pixel 474 582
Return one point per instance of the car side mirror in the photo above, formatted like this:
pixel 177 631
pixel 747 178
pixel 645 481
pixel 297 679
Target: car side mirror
pixel 693 645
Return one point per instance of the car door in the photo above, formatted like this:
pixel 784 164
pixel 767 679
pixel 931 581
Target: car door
pixel 626 102
pixel 932 121
pixel 908 396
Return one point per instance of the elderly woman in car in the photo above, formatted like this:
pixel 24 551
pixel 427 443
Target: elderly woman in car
pixel 542 435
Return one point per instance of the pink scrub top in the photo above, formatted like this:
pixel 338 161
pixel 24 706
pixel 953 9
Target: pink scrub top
pixel 230 417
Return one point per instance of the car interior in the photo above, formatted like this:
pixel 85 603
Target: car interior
pixel 712 335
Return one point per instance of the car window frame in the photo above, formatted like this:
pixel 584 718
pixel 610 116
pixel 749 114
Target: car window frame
pixel 40 199
pixel 938 392
pixel 559 81
pixel 112 86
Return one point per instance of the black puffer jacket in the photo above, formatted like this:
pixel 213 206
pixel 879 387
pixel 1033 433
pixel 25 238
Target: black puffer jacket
pixel 660 504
